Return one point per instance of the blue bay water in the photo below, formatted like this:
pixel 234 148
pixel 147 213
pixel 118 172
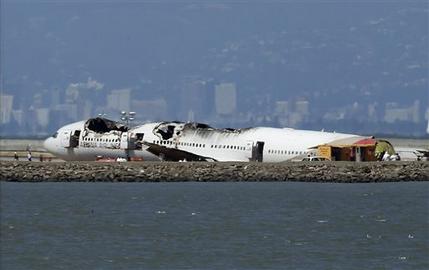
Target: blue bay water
pixel 214 226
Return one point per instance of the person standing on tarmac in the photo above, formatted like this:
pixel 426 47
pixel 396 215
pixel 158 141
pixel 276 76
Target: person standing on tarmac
pixel 29 156
pixel 15 156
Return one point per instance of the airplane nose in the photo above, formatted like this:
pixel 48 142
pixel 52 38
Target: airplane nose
pixel 47 144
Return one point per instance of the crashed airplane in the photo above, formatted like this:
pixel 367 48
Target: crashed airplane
pixel 178 141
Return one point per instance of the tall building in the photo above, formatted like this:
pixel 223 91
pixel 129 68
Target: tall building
pixel 225 99
pixel 85 95
pixel 19 117
pixel 42 117
pixel 282 108
pixel 6 105
pixel 282 112
pixel 87 111
pixel 302 107
pixel 193 99
pixel 119 100
pixel 427 118
pixel 76 91
pixel 395 113
pixel 372 112
pixel 415 111
pixel 72 93
pixel 298 116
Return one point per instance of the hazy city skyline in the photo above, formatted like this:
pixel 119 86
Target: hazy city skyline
pixel 345 66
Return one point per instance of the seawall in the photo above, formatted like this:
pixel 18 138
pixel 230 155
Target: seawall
pixel 342 172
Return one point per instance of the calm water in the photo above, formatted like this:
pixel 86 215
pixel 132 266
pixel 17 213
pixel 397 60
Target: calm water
pixel 214 226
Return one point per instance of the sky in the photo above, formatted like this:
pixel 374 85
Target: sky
pixel 332 51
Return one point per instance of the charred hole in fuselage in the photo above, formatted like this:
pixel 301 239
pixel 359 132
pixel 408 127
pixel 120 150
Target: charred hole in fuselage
pixel 201 125
pixel 172 130
pixel 103 125
pixel 166 132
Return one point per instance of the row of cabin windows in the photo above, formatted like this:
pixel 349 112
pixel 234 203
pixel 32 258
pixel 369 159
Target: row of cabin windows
pixel 181 143
pixel 284 152
pixel 100 140
pixel 234 147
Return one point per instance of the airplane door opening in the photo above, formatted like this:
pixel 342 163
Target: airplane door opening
pixel 124 141
pixel 74 139
pixel 139 141
pixel 65 138
pixel 258 151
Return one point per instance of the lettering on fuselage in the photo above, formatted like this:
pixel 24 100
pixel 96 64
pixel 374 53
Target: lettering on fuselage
pixel 109 145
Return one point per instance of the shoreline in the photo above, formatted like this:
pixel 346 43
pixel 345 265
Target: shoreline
pixel 325 172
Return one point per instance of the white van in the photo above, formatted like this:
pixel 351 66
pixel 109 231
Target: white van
pixel 315 158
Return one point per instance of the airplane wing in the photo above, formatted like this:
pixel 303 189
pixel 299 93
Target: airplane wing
pixel 423 153
pixel 173 154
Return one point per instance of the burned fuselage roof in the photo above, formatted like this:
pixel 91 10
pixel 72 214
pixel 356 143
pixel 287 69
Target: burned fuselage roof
pixel 103 125
pixel 172 130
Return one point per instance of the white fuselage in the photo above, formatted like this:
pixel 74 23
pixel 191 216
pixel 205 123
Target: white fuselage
pixel 274 144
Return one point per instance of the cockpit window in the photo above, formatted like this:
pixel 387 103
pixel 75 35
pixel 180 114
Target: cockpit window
pixel 55 135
